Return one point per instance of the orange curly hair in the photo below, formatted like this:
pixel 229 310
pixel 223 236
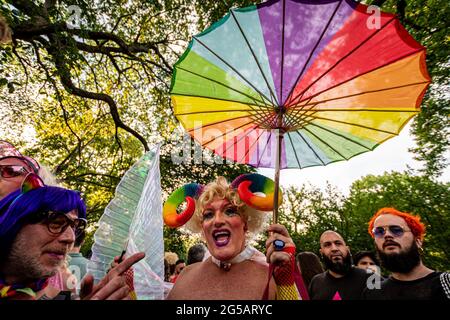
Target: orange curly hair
pixel 413 222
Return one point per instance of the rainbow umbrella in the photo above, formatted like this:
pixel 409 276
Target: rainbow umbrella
pixel 294 84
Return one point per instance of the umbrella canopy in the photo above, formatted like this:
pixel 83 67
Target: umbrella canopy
pixel 299 83
pixel 342 88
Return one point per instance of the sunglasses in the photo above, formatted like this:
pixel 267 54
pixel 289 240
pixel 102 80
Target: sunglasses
pixel 57 223
pixel 12 171
pixel 396 231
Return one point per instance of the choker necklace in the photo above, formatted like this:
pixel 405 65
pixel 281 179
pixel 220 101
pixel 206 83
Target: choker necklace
pixel 245 254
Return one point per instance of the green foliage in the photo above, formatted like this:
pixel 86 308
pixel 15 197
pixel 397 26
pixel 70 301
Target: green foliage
pixel 433 135
pixel 427 21
pixel 307 212
pixel 125 49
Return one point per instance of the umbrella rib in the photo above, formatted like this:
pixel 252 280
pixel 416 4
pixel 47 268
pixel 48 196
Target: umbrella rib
pixel 326 144
pixel 302 119
pixel 214 111
pixel 217 122
pixel 222 84
pixel 359 110
pixel 302 112
pixel 295 152
pixel 224 134
pixel 312 149
pixel 269 121
pixel 259 118
pixel 351 124
pixel 313 50
pixel 250 147
pixel 232 68
pixel 341 135
pixel 282 51
pixel 265 147
pixel 300 95
pixel 254 57
pixel 296 112
pixel 361 93
pixel 364 73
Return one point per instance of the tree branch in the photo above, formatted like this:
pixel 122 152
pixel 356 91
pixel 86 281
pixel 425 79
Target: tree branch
pixel 64 75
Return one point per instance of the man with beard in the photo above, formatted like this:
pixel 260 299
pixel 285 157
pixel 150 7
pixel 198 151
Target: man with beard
pixel 341 281
pixel 399 240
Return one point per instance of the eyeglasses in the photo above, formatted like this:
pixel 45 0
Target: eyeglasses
pixel 11 171
pixel 396 231
pixel 57 223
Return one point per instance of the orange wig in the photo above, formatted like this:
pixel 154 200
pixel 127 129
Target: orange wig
pixel 413 222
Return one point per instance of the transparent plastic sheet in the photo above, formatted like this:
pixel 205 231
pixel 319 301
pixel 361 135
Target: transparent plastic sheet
pixel 133 219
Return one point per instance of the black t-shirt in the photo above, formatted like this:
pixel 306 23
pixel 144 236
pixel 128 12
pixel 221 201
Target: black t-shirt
pixel 349 287
pixel 435 286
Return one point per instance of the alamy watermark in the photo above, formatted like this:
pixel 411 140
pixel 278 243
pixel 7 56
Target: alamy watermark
pixel 74 20
pixel 374 21
pixel 374 280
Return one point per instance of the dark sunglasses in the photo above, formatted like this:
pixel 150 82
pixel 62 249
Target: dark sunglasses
pixel 12 171
pixel 57 223
pixel 396 231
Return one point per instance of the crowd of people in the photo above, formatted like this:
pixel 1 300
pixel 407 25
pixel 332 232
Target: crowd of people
pixel 42 227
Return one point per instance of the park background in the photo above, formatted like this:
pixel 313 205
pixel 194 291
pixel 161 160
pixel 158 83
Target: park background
pixel 84 88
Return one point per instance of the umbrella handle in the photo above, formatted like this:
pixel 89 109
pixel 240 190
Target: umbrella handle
pixel 279 133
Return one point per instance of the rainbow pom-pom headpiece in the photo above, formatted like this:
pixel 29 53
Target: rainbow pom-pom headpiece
pixel 188 192
pixel 247 185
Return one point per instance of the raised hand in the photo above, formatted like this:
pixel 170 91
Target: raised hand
pixel 113 286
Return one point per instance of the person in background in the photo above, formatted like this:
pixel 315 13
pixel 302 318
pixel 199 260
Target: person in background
pixel 14 167
pixel 341 281
pixel 367 260
pixel 179 266
pixel 171 258
pixel 77 263
pixel 196 253
pixel 309 266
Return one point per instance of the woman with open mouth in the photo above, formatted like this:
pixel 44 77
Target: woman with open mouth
pixel 235 270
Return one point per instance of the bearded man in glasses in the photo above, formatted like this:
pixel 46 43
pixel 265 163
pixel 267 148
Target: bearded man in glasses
pixel 399 242
pixel 37 228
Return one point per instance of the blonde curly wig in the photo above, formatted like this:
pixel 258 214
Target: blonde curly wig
pixel 220 188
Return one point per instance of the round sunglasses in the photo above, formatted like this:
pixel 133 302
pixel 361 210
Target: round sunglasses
pixel 395 230
pixel 12 171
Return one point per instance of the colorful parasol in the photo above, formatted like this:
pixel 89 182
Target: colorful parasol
pixel 299 83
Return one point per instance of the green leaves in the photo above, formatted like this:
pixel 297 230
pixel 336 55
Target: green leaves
pixel 77 138
pixel 308 211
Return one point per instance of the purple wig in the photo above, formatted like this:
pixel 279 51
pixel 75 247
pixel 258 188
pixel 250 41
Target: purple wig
pixel 17 207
